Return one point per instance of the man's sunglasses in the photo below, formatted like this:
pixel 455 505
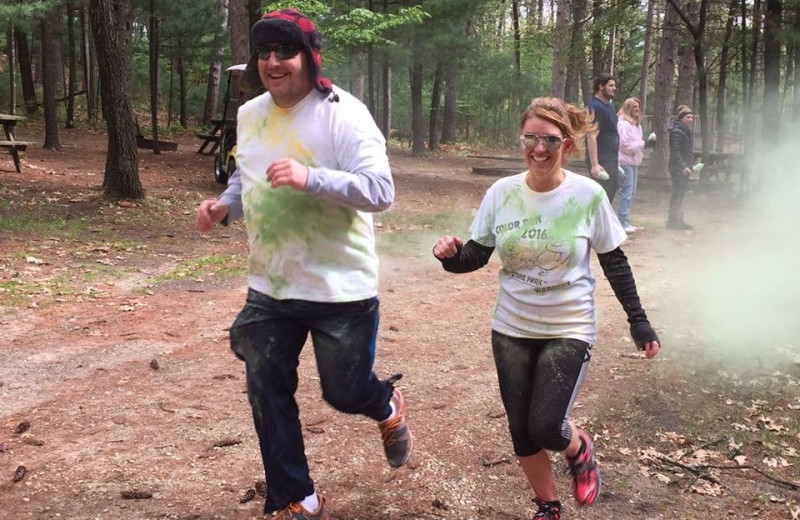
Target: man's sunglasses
pixel 550 142
pixel 282 52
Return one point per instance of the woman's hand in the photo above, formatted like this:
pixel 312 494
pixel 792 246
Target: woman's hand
pixel 651 349
pixel 446 247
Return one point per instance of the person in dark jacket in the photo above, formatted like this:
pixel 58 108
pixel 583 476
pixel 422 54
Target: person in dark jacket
pixel 680 164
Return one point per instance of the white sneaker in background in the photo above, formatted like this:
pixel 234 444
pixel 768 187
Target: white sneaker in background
pixel 630 229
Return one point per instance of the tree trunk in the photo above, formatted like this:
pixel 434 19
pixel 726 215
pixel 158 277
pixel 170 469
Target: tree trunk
pixel 239 21
pixel 359 81
pixel 25 71
pixel 754 54
pixel 743 57
pixel 559 49
pixel 598 67
pixel 771 114
pixel 112 21
pixel 215 67
pixel 648 38
pixel 665 72
pixel 436 95
pixel 73 68
pixel 796 100
pixel 155 77
pixel 450 97
pixel 171 89
pixel 182 85
pixel 723 76
pixel 12 68
pixel 515 88
pixel 49 84
pixel 417 119
pixel 88 69
pixel 386 113
pixel 687 71
pixel 577 53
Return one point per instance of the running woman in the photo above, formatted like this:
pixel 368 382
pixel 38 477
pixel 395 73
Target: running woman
pixel 543 223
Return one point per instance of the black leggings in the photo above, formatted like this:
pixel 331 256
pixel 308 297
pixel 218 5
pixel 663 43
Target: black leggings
pixel 539 381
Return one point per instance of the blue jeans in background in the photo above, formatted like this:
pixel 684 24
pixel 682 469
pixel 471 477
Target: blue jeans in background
pixel 627 193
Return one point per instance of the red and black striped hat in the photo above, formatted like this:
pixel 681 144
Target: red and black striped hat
pixel 290 26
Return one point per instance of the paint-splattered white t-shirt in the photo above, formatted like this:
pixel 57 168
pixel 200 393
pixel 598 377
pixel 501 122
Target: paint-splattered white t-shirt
pixel 544 240
pixel 318 244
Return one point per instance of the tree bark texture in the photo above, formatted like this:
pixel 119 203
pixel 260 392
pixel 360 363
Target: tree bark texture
pixel 417 119
pixel 112 21
pixel 386 112
pixel 12 68
pixel 87 57
pixel 239 20
pixel 723 76
pixel 25 71
pixel 155 77
pixel 796 100
pixel 182 85
pixel 577 53
pixel 662 95
pixel 449 120
pixel 560 49
pixel 772 71
pixel 215 67
pixel 436 96
pixel 756 37
pixel 73 67
pixel 648 38
pixel 49 84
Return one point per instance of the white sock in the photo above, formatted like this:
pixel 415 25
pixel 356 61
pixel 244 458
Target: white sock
pixel 391 415
pixel 310 503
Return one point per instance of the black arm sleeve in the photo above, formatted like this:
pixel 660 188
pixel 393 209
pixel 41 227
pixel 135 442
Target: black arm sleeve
pixel 470 257
pixel 618 271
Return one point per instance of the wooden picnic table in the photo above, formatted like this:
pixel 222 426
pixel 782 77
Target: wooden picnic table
pixel 10 143
pixel 214 136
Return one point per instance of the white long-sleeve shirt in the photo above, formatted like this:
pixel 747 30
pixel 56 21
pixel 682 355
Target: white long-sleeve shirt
pixel 319 244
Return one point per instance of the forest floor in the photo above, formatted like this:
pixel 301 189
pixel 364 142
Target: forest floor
pixel 117 382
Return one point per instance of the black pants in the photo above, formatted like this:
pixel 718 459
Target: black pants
pixel 612 184
pixel 539 381
pixel 680 183
pixel 268 336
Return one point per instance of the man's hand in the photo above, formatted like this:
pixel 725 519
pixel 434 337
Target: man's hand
pixel 687 171
pixel 288 172
pixel 446 247
pixel 597 172
pixel 209 212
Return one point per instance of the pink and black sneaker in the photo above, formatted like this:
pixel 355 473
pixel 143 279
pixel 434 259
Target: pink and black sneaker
pixel 586 481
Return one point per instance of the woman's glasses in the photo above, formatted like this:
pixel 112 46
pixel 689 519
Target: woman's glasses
pixel 550 142
pixel 283 52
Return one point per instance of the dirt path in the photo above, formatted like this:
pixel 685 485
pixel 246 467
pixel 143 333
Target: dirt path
pixel 114 354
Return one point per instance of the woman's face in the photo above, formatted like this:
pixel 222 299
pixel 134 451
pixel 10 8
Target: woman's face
pixel 688 120
pixel 636 111
pixel 543 147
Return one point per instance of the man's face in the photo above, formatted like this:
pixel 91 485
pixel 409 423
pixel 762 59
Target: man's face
pixel 609 89
pixel 283 70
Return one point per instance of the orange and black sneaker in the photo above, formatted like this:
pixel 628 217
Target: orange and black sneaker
pixel 397 439
pixel 547 510
pixel 296 511
pixel 586 481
